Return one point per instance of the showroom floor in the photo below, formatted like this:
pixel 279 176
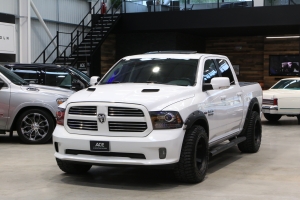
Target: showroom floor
pixel 30 172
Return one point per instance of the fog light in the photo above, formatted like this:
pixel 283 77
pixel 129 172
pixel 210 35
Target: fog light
pixel 56 146
pixel 162 153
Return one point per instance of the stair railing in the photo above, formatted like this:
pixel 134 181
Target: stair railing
pixel 82 25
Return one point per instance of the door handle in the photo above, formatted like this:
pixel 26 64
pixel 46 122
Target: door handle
pixel 223 97
pixel 239 93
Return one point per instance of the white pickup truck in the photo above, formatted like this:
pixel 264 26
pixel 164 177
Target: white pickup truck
pixel 160 108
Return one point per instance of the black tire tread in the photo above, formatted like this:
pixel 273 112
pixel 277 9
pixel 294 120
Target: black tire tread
pixel 72 168
pixel 185 169
pixel 249 145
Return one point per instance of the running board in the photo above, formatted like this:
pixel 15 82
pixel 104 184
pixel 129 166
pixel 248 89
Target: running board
pixel 223 147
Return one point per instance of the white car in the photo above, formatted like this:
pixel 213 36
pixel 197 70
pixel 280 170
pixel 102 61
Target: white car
pixel 283 98
pixel 160 108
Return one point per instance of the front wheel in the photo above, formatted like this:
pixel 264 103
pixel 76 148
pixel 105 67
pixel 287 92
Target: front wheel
pixel 193 161
pixel 72 168
pixel 35 126
pixel 253 135
pixel 272 118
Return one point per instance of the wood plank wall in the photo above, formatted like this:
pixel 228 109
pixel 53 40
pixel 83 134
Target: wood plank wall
pixel 108 53
pixel 247 52
pixel 287 46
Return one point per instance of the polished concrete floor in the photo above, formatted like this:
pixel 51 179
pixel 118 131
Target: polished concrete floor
pixel 30 172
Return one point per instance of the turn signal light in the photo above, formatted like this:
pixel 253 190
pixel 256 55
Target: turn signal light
pixel 60 116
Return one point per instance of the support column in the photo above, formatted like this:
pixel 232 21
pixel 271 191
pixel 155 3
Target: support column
pixel 25 31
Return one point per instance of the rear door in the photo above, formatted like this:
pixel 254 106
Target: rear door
pixel 4 104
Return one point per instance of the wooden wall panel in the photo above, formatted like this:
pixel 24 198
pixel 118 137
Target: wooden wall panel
pixel 285 46
pixel 108 53
pixel 247 52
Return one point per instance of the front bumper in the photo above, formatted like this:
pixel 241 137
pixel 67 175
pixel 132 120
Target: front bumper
pixel 148 146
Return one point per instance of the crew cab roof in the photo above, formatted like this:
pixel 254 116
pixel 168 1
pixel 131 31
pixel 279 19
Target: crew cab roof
pixel 178 55
pixel 40 65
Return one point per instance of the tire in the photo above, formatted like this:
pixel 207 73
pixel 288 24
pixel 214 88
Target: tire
pixel 193 161
pixel 253 135
pixel 72 168
pixel 272 118
pixel 35 126
pixel 298 117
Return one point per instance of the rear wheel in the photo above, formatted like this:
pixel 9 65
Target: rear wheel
pixel 298 117
pixel 35 126
pixel 272 118
pixel 194 156
pixel 253 135
pixel 72 168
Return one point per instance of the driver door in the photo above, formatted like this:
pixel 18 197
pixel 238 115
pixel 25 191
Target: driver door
pixel 4 104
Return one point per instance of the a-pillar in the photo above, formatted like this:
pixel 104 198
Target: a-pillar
pixel 25 31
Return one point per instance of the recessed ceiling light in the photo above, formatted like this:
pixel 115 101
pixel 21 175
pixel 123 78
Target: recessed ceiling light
pixel 282 37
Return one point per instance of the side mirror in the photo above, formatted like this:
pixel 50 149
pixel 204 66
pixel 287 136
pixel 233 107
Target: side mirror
pixel 1 84
pixel 94 80
pixel 220 83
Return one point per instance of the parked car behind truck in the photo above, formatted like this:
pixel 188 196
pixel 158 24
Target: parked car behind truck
pixel 27 108
pixel 53 75
pixel 161 108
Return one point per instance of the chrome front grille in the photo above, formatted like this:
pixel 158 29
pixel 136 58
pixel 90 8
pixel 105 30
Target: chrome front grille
pixel 83 110
pixel 83 124
pixel 125 112
pixel 127 126
pixel 268 101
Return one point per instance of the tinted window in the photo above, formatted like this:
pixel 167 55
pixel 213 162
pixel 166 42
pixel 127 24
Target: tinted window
pixel 30 75
pixel 5 85
pixel 209 71
pixel 168 71
pixel 225 70
pixel 14 78
pixel 61 78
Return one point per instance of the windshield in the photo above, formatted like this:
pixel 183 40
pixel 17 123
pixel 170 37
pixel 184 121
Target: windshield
pixel 287 84
pixel 14 78
pixel 170 71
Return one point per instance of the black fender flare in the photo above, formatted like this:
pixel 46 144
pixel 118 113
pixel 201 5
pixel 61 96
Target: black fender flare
pixel 193 117
pixel 254 102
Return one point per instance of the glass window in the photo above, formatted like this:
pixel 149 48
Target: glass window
pixel 287 84
pixel 225 70
pixel 209 71
pixel 5 85
pixel 14 78
pixel 28 74
pixel 61 78
pixel 170 71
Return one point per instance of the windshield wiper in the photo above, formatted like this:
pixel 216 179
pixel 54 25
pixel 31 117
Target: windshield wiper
pixel 151 82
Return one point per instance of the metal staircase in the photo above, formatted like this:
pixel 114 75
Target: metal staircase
pixel 81 44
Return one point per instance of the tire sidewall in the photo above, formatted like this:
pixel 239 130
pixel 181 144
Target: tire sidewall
pixel 45 114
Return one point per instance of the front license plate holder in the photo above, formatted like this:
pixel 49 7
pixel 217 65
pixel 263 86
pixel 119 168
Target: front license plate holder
pixel 99 146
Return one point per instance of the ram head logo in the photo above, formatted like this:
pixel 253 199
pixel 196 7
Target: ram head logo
pixel 101 118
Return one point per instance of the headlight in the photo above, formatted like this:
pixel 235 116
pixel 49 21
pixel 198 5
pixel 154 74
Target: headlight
pixel 61 100
pixel 165 119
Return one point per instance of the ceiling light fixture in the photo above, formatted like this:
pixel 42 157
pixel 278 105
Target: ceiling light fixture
pixel 282 37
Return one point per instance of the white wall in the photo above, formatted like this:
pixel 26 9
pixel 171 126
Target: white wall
pixel 59 15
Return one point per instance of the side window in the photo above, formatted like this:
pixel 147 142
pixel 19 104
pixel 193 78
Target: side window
pixel 61 78
pixel 209 71
pixel 225 70
pixel 31 75
pixel 5 85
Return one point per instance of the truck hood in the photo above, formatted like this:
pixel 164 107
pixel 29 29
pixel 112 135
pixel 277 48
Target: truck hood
pixel 152 96
pixel 49 90
pixel 280 93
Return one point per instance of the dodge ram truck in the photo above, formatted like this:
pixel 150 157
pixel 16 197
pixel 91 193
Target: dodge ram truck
pixel 172 109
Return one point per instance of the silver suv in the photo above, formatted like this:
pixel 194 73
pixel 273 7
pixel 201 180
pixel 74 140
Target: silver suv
pixel 27 108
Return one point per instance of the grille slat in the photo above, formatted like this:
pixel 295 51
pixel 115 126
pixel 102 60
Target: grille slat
pixel 83 110
pixel 83 124
pixel 127 126
pixel 125 112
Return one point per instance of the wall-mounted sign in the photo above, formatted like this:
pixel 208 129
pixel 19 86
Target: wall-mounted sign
pixel 7 38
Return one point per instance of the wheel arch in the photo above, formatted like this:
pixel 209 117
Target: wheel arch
pixel 253 106
pixel 197 118
pixel 13 126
